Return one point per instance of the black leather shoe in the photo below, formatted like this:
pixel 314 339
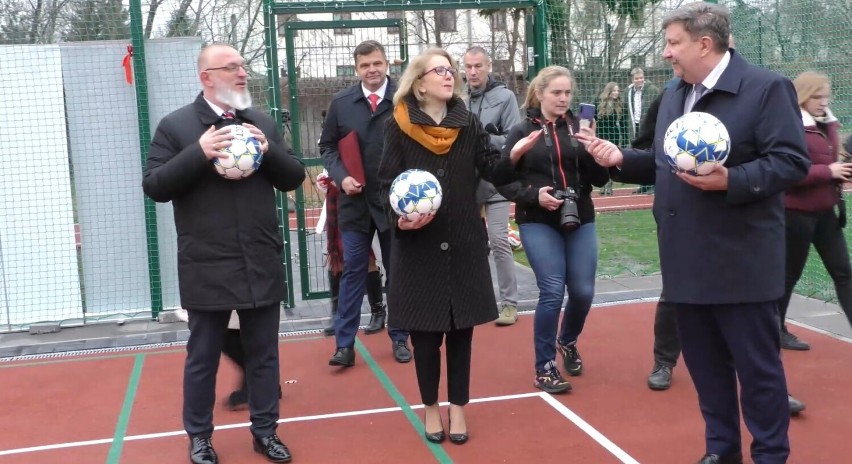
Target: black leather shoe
pixel 458 438
pixel 344 357
pixel 328 331
pixel 377 320
pixel 792 342
pixel 401 352
pixel 201 451
pixel 796 406
pixel 660 378
pixel 272 448
pixel 716 459
pixel 237 400
pixel 437 437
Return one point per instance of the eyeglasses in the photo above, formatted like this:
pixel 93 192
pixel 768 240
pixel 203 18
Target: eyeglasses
pixel 231 68
pixel 442 71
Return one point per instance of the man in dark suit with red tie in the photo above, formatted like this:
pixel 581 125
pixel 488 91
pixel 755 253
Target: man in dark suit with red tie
pixel 362 108
pixel 721 236
pixel 229 246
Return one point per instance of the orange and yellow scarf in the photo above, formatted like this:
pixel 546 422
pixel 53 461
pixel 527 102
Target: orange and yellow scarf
pixel 438 140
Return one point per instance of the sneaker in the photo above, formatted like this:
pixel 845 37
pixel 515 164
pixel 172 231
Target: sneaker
pixel 571 359
pixel 550 380
pixel 508 315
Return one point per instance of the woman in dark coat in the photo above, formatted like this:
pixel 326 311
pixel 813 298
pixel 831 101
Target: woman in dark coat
pixel 442 283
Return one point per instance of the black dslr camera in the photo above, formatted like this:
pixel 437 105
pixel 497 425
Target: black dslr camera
pixel 569 217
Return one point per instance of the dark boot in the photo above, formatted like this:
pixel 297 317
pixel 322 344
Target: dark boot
pixel 334 284
pixel 377 304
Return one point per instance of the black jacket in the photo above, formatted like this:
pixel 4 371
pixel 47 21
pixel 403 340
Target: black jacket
pixel 350 110
pixel 545 166
pixel 228 239
pixel 736 237
pixel 441 275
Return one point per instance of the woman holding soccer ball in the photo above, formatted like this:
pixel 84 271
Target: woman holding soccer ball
pixel 557 221
pixel 442 285
pixel 810 205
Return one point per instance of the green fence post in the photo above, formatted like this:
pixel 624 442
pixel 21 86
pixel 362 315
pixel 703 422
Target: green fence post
pixel 140 79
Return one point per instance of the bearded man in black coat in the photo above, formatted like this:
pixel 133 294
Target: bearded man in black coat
pixel 229 245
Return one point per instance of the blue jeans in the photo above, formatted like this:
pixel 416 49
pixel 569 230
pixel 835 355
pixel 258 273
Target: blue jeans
pixel 356 257
pixel 560 260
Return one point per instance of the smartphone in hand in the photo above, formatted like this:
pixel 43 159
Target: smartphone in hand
pixel 587 114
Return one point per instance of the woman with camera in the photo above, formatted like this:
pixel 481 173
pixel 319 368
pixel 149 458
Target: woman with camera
pixel 556 218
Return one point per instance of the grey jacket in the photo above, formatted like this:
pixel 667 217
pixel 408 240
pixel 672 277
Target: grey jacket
pixel 497 105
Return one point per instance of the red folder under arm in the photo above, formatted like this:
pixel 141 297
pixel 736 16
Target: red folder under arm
pixel 350 154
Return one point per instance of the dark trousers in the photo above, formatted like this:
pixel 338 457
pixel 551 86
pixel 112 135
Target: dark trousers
pixel 353 281
pixel 666 341
pixel 233 349
pixel 207 334
pixel 726 343
pixel 427 363
pixel 823 230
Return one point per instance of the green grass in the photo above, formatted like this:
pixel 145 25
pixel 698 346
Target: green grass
pixel 627 243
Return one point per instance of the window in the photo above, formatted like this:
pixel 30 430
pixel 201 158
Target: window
pixel 342 17
pixel 638 61
pixel 345 70
pixel 395 15
pixel 282 20
pixel 498 21
pixel 445 20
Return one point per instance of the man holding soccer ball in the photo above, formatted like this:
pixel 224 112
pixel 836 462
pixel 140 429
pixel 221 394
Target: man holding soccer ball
pixel 229 245
pixel 721 235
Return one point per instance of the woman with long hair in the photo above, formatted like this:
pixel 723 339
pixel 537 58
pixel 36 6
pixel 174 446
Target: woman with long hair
pixel 612 121
pixel 810 205
pixel 442 286
pixel 556 218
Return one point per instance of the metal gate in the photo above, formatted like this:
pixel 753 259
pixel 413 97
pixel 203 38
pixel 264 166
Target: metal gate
pixel 320 63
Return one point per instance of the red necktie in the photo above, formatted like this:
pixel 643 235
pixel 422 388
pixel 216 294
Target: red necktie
pixel 374 102
pixel 228 115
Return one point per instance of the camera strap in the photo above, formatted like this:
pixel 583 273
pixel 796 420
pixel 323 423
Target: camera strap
pixel 549 144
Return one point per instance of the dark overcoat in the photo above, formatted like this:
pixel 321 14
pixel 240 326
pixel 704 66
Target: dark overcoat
pixel 727 247
pixel 228 239
pixel 441 278
pixel 350 111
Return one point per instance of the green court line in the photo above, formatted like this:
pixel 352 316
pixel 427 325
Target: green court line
pixel 390 388
pixel 124 418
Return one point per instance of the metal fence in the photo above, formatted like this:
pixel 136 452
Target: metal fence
pixel 86 81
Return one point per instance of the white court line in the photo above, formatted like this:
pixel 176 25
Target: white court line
pixel 150 436
pixel 821 331
pixel 591 431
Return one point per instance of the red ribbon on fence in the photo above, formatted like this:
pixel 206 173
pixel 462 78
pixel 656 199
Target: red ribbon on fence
pixel 128 66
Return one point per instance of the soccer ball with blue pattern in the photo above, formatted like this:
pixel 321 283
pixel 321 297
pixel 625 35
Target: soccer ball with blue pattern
pixel 414 193
pixel 696 142
pixel 244 155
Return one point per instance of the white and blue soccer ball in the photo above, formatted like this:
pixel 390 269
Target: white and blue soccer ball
pixel 244 155
pixel 696 142
pixel 415 192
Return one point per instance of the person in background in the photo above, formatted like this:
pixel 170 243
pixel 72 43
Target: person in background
pixel 556 218
pixel 334 263
pixel 446 288
pixel 228 257
pixel 640 94
pixel 497 110
pixel 814 208
pixel 613 121
pixel 363 108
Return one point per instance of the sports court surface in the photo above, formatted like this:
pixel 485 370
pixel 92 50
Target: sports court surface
pixel 125 406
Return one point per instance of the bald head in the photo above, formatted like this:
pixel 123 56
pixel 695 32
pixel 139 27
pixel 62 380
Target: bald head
pixel 211 55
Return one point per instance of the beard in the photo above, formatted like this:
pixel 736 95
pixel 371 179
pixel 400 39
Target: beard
pixel 237 100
